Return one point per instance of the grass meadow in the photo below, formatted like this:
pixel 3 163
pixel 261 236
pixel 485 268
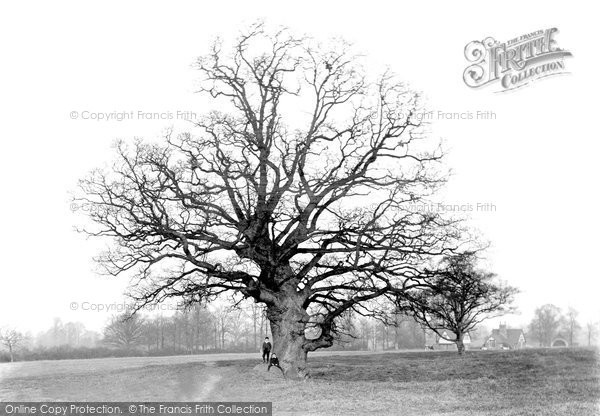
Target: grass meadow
pixel 527 382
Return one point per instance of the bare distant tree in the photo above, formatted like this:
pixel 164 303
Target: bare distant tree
pixel 255 312
pixel 592 330
pixel 571 323
pixel 11 339
pixel 546 323
pixel 73 333
pixel 238 327
pixel 202 322
pixel 456 298
pixel 124 331
pixel 222 321
pixel 296 194
pixel 57 332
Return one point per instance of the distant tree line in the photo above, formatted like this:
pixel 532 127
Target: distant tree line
pixel 223 328
pixel 195 331
pixel 550 322
pixel 191 331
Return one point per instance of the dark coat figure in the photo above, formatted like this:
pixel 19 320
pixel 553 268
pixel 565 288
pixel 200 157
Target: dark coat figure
pixel 266 350
pixel 274 362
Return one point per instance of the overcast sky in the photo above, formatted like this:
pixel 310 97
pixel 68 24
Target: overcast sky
pixel 536 161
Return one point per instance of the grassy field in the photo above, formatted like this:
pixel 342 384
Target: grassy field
pixel 528 382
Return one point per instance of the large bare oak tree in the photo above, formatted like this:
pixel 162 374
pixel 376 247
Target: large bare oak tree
pixel 295 193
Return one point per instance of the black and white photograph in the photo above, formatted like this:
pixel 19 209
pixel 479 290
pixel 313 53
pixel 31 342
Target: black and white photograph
pixel 309 208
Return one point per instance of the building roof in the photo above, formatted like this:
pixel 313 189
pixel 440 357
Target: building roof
pixel 508 336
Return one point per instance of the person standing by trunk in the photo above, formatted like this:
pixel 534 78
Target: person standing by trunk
pixel 266 350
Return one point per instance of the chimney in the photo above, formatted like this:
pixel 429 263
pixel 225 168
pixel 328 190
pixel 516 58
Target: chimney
pixel 503 329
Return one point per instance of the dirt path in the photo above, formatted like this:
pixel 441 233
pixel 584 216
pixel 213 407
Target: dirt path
pixel 208 384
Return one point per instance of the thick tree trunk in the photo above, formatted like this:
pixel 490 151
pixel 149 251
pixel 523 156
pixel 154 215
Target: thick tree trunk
pixel 288 322
pixel 460 345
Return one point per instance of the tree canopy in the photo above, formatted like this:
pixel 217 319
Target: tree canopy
pixel 295 191
pixel 456 297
